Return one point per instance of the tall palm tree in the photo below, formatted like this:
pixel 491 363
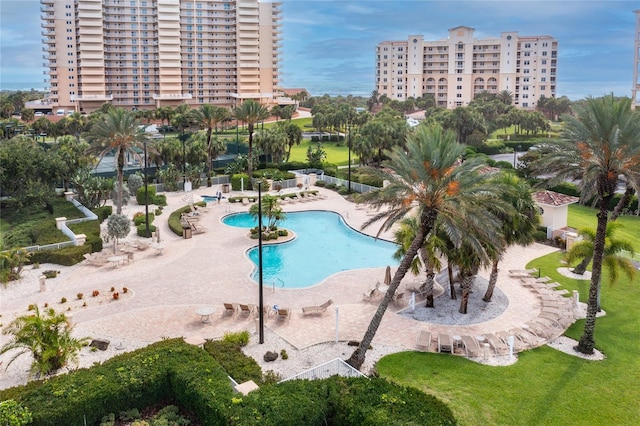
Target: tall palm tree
pixel 207 117
pixel 428 180
pixel 518 228
pixel 612 259
pixel 251 112
pixel 118 131
pixel 601 147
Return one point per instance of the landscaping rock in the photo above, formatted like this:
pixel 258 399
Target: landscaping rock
pixel 270 356
pixel 100 344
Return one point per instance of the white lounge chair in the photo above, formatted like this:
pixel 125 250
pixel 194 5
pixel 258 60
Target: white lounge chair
pixel 319 309
pixel 471 346
pixel 444 343
pixel 423 341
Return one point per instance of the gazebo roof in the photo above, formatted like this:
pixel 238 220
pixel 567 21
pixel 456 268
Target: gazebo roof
pixel 556 199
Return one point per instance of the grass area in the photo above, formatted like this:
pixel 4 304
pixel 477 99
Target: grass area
pixel 336 154
pixel 545 386
pixel 585 217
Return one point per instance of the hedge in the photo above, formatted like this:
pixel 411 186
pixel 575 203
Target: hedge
pixel 159 200
pixel 67 256
pixel 239 366
pixel 174 219
pixel 236 179
pixel 174 371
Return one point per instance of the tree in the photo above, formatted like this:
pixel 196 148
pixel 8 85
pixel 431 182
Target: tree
pixel 294 137
pixel 212 146
pixel 118 226
pixel 426 179
pixel 208 117
pixel 47 336
pixel 271 209
pixel 612 259
pixel 27 114
pixel 12 262
pixel 72 152
pixel 273 142
pixel 75 124
pixel 251 112
pixel 601 146
pixel 118 131
pixel 519 227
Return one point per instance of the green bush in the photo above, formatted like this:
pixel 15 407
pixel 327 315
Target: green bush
pixel 237 365
pixel 140 219
pixel 174 220
pixel 369 180
pixel 273 173
pixel 567 189
pixel 235 199
pixel 141 230
pixel 540 236
pixel 321 183
pixel 238 338
pixel 66 256
pixel 160 200
pixel 45 232
pixel 236 184
pixel 140 194
pixel 103 213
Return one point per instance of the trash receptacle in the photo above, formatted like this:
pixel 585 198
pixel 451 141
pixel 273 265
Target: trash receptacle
pixel 186 232
pixel 225 188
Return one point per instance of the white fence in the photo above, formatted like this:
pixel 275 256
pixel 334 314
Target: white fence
pixel 331 368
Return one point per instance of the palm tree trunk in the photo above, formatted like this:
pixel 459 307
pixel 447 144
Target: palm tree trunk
pixel 452 287
pixel 120 173
pixel 427 219
pixel 624 201
pixel 587 342
pixel 209 159
pixel 250 156
pixel 493 279
pixel 429 288
pixel 466 290
pixel 582 266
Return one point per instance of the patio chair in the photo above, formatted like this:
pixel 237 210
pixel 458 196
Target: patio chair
pixel 230 308
pixel 471 346
pixel 319 309
pixel 526 337
pixel 423 341
pixel 142 246
pixel 522 273
pixel 518 345
pixel 444 343
pixel 398 298
pixel 539 329
pixel 196 228
pixel 497 345
pixel 284 314
pixel 247 309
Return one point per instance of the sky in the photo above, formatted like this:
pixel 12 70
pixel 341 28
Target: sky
pixel 328 46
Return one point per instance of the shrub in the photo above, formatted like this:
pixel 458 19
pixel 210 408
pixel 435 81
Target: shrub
pixel 321 183
pixel 142 230
pixel 67 256
pixel 283 354
pixel 540 236
pixel 103 212
pixel 238 365
pixel 174 220
pixel 238 338
pixel 95 293
pixel 79 296
pixel 236 180
pixel 14 414
pixel 567 189
pixel 63 300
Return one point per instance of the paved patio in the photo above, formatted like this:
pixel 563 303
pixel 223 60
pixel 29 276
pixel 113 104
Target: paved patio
pixel 212 268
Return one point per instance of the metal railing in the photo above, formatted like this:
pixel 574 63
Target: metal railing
pixel 331 368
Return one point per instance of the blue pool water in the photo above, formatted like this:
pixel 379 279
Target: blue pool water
pixel 324 246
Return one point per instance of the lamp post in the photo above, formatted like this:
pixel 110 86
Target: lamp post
pixel 146 192
pixel 260 298
pixel 184 162
pixel 349 150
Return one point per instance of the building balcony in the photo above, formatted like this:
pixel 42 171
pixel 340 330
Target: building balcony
pixel 172 96
pixel 91 97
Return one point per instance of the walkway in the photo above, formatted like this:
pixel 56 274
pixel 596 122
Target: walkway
pixel 212 268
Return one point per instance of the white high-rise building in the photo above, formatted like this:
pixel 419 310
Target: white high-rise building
pixel 453 70
pixel 152 53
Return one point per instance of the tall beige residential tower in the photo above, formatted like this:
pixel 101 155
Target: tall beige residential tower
pixel 636 63
pixel 151 53
pixel 453 70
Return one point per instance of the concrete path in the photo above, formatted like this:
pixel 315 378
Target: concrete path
pixel 212 268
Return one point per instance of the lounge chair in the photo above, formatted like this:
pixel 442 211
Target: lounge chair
pixel 539 329
pixel 398 298
pixel 95 259
pixel 284 314
pixel 320 309
pixel 423 341
pixel 198 229
pixel 444 343
pixel 518 345
pixel 526 337
pixel 471 346
pixel 497 344
pixel 230 308
pixel 247 309
pixel 142 246
pixel 522 273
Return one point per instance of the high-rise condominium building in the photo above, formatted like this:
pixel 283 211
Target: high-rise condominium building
pixel 453 70
pixel 151 53
pixel 636 64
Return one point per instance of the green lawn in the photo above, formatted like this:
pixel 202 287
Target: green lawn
pixel 336 154
pixel 585 217
pixel 545 386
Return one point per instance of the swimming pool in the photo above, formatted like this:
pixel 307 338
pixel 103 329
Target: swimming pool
pixel 325 245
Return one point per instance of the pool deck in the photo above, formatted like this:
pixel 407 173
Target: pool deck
pixel 211 268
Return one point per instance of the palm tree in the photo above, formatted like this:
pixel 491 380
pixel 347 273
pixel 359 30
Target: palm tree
pixel 426 179
pixel 271 209
pixel 517 228
pixel 75 124
pixel 613 248
pixel 429 254
pixel 208 117
pixel 601 147
pixel 47 337
pixel 251 112
pixel 118 131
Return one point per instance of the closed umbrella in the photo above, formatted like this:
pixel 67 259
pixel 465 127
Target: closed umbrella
pixel 412 301
pixel 387 276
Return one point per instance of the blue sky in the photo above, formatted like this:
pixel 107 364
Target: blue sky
pixel 329 45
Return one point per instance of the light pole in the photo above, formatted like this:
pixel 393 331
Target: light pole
pixel 260 298
pixel 349 150
pixel 146 192
pixel 515 156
